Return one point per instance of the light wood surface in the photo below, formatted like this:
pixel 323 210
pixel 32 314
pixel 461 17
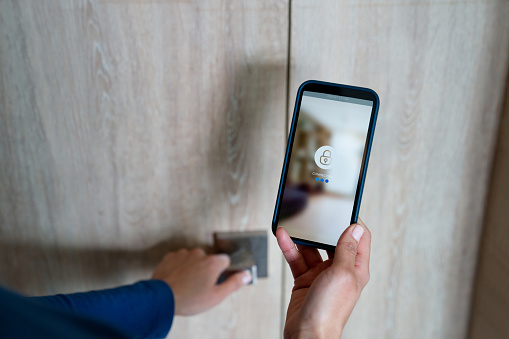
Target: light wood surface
pixel 440 70
pixel 491 294
pixel 130 128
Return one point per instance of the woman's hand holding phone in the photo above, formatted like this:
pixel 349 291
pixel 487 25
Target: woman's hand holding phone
pixel 325 292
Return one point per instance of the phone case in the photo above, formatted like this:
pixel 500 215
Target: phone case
pixel 335 89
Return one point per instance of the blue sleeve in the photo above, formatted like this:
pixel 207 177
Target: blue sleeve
pixel 144 309
pixel 25 318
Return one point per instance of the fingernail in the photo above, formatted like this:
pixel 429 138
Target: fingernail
pixel 247 278
pixel 224 255
pixel 357 232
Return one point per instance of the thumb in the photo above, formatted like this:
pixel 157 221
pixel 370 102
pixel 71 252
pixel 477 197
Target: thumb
pixel 346 249
pixel 233 283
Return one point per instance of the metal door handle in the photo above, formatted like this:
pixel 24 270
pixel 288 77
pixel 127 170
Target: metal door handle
pixel 247 251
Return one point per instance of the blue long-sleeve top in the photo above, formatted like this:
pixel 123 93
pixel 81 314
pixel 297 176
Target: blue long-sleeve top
pixel 142 310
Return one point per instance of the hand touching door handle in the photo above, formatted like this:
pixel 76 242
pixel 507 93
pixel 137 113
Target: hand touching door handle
pixel 247 251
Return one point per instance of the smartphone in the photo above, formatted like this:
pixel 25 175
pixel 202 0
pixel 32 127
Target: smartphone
pixel 326 161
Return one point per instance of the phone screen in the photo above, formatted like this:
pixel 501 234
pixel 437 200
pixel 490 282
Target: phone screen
pixel 325 163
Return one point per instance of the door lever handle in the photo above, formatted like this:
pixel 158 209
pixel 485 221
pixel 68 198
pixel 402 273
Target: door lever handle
pixel 247 250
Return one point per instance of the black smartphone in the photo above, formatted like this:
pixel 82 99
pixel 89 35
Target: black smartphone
pixel 325 163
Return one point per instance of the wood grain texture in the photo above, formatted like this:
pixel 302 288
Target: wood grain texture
pixel 490 305
pixel 130 128
pixel 440 70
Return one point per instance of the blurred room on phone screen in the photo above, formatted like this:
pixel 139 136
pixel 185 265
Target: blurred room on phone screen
pixel 324 166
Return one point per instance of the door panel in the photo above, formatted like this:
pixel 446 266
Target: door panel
pixel 130 128
pixel 440 70
pixel 490 300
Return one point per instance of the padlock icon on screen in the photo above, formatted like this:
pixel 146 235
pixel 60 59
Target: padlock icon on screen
pixel 326 158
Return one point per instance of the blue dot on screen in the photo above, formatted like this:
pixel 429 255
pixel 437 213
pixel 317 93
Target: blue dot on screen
pixel 317 179
pixel 321 180
pixel 326 181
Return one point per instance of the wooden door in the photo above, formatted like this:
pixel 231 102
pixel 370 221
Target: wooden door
pixel 440 70
pixel 490 301
pixel 130 128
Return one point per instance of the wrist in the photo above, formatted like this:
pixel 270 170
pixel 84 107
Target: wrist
pixel 317 332
pixel 315 335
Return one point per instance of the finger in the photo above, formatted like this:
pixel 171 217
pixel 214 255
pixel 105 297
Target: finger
pixel 197 251
pixel 223 261
pixel 179 256
pixel 330 254
pixel 216 264
pixel 295 259
pixel 232 284
pixel 363 253
pixel 182 252
pixel 346 249
pixel 310 254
